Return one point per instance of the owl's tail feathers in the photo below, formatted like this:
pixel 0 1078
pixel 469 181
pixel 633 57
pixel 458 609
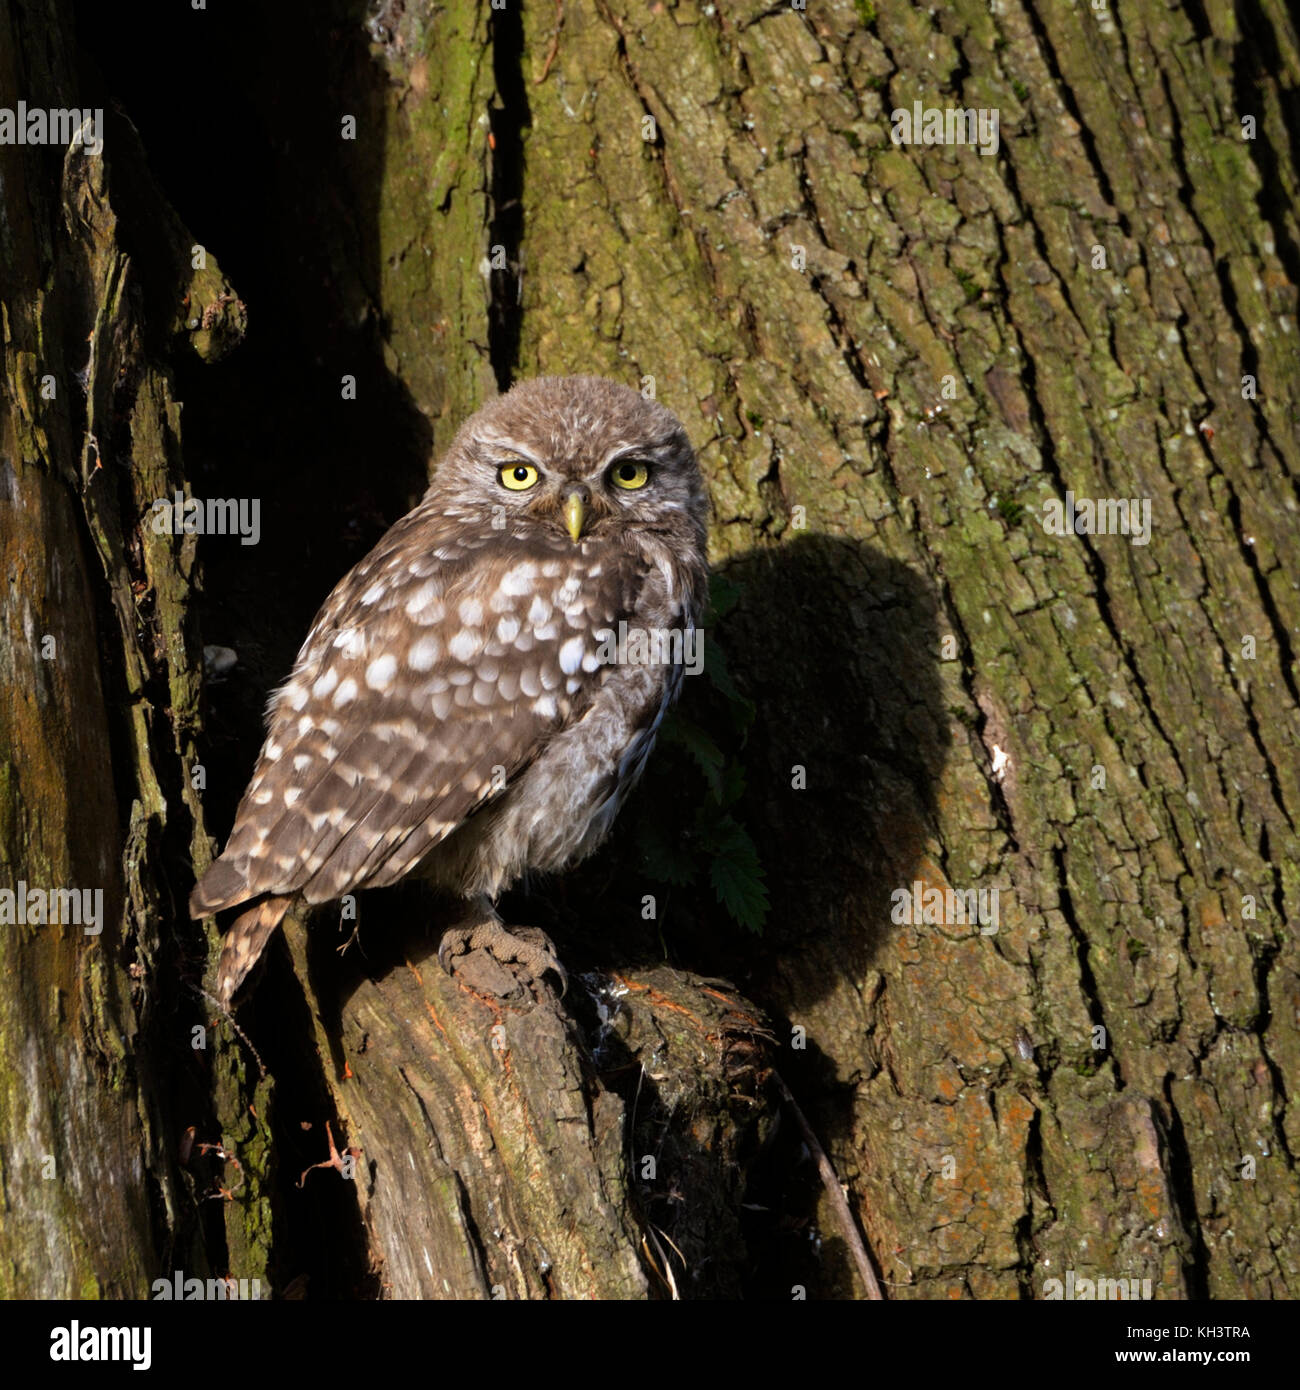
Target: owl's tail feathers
pixel 245 942
pixel 221 887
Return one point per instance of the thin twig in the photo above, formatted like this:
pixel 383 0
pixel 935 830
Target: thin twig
pixel 839 1203
pixel 555 43
pixel 228 1014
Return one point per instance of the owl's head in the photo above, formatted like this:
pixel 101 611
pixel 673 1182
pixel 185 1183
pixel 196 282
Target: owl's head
pixel 576 456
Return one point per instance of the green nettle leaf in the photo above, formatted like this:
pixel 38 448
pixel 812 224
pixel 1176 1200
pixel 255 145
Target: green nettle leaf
pixel 733 784
pixel 676 854
pixel 716 669
pixel 685 733
pixel 736 874
pixel 664 857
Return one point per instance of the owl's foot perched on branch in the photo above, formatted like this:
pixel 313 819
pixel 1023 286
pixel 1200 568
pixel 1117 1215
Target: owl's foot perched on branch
pixel 526 946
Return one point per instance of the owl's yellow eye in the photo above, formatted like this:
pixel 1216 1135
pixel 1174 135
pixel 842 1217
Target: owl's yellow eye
pixel 630 475
pixel 518 477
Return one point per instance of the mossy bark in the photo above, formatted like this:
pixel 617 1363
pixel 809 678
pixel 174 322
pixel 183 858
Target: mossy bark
pixel 105 1051
pixel 893 359
pixel 1108 736
pixel 1076 721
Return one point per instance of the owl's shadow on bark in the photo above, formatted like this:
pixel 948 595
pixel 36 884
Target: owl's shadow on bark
pixel 833 775
pixel 837 648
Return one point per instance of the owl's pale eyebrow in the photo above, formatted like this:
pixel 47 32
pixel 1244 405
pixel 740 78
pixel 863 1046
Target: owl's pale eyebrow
pixel 643 453
pixel 500 447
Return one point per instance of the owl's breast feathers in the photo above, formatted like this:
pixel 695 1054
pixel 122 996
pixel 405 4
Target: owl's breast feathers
pixel 448 675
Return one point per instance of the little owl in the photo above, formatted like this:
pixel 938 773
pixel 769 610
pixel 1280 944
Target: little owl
pixel 458 710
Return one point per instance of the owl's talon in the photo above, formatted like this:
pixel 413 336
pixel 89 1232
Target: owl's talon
pixel 526 946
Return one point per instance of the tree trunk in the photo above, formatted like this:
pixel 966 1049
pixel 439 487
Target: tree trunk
pixel 104 1056
pixel 896 360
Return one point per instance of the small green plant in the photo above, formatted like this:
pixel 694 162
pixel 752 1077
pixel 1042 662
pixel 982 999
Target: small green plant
pixel 699 771
pixel 969 285
pixel 1010 510
pixel 1019 88
pixel 866 12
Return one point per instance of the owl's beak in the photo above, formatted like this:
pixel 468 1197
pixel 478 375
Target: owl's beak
pixel 575 513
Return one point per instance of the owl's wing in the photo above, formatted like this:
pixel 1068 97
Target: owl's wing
pixel 432 676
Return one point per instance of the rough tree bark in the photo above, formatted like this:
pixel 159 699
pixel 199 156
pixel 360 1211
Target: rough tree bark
pixel 892 359
pixel 99 708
